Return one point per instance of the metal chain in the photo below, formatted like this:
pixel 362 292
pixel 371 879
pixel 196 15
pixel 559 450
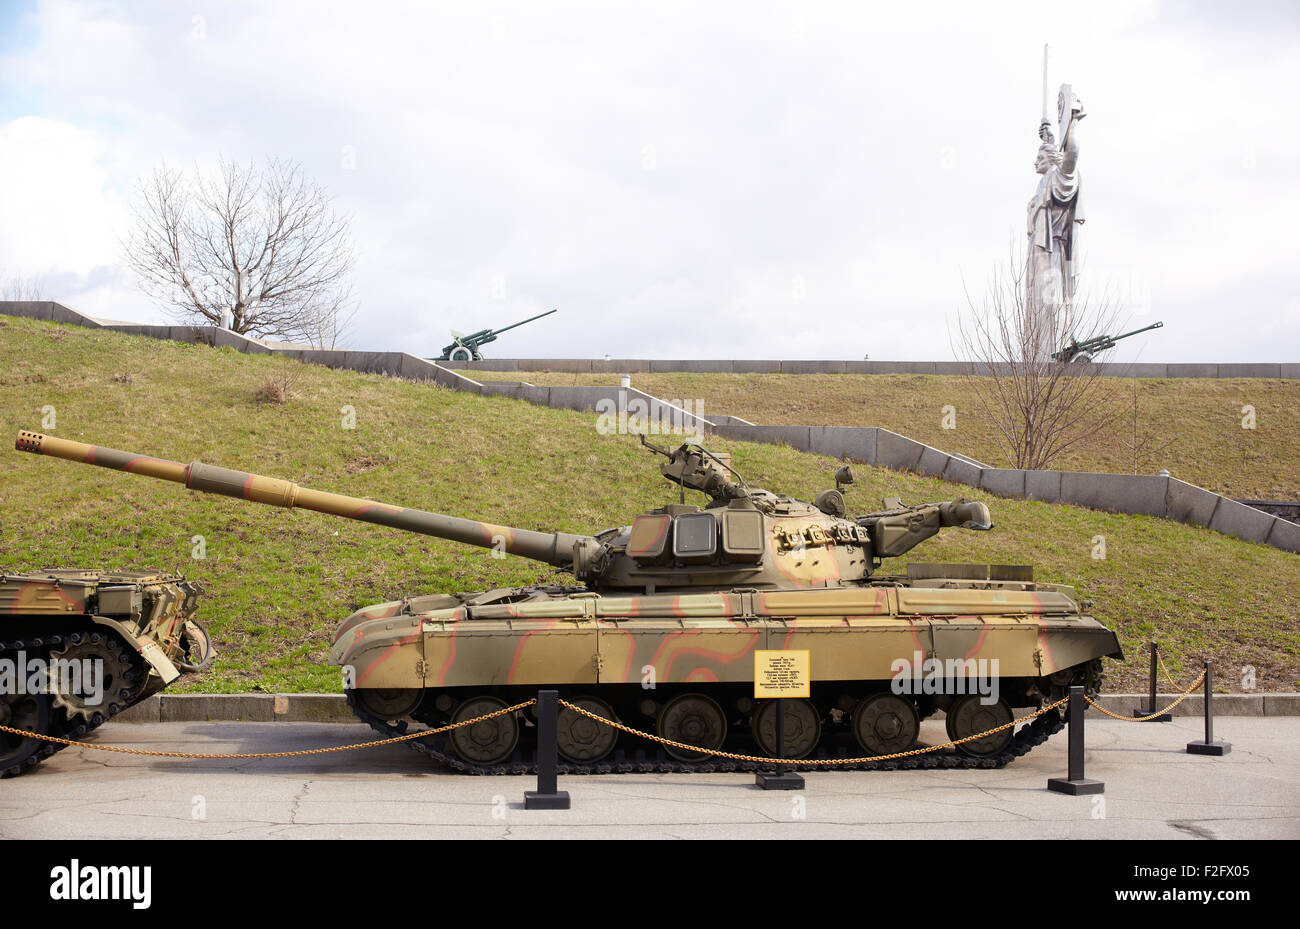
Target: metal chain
pixel 307 751
pixel 1142 719
pixel 1169 677
pixel 808 761
pixel 600 719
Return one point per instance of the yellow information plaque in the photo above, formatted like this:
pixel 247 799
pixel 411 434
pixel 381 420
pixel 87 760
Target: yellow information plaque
pixel 785 673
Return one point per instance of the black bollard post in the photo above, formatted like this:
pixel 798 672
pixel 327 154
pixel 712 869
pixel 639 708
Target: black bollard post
pixel 1208 746
pixel 1076 784
pixel 1151 702
pixel 780 779
pixel 546 796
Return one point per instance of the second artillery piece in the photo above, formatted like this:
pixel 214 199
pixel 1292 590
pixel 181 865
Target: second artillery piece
pixel 466 347
pixel 660 630
pixel 1085 351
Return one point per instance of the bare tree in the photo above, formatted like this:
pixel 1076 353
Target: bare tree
pixel 328 324
pixel 257 250
pixel 1041 407
pixel 1142 443
pixel 17 287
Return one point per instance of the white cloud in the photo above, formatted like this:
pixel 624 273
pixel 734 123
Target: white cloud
pixel 662 173
pixel 54 209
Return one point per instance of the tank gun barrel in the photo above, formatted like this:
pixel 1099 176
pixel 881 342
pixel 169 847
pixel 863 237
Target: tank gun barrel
pixel 553 548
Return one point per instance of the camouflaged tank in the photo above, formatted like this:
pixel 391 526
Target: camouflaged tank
pixel 77 647
pixel 661 630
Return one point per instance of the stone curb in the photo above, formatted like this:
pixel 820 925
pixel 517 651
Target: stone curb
pixel 333 708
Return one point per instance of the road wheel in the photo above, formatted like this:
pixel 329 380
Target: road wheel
pixel 967 716
pixel 489 741
pixel 694 719
pixel 803 727
pixel 885 724
pixel 581 739
pixel 31 713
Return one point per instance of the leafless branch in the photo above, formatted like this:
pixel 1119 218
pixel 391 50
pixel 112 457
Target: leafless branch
pixel 261 248
pixel 1041 408
pixel 18 287
pixel 1142 444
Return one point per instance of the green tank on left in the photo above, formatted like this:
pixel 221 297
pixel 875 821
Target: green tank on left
pixel 79 646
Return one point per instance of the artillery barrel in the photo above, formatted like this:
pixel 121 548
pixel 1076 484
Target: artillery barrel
pixel 521 322
pixel 554 548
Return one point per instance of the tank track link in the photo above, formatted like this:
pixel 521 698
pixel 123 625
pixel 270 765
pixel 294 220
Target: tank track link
pixel 59 725
pixel 1029 736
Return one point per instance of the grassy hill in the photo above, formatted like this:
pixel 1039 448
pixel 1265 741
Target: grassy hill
pixel 279 581
pixel 1197 421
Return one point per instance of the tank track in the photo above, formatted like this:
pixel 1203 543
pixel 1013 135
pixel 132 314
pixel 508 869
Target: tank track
pixel 657 761
pixel 59 725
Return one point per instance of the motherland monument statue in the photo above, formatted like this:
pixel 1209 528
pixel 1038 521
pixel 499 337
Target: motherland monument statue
pixel 1054 215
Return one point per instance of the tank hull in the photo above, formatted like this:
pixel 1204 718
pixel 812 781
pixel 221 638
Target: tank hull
pixel 929 643
pixel 79 646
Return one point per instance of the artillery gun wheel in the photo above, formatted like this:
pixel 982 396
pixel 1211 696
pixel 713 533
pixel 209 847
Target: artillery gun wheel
pixel 967 716
pixel 803 727
pixel 695 719
pixel 31 713
pixel 460 354
pixel 489 741
pixel 581 739
pixel 885 724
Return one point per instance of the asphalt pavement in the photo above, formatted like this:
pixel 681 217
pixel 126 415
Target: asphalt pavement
pixel 1153 790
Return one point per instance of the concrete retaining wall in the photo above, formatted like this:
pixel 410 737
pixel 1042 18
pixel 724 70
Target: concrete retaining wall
pixel 1124 493
pixel 772 366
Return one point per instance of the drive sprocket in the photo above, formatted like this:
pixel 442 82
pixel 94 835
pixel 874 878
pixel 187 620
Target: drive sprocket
pixel 107 675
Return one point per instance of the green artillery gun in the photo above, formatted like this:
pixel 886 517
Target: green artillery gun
pixel 1085 350
pixel 466 347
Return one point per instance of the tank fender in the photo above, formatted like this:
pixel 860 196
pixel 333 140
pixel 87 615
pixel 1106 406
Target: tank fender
pixel 1024 647
pixel 375 611
pixel 383 652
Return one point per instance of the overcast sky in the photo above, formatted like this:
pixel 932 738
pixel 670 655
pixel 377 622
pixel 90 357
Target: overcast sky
pixel 683 180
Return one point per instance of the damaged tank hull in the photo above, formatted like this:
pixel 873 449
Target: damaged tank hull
pixel 77 647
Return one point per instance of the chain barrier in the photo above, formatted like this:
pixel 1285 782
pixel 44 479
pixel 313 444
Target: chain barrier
pixel 306 751
pixel 1183 695
pixel 764 759
pixel 1169 677
pixel 511 709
